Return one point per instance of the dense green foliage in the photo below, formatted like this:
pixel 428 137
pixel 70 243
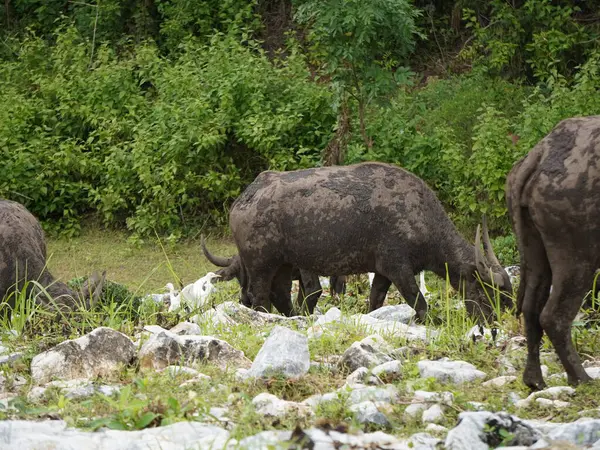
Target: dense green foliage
pixel 154 115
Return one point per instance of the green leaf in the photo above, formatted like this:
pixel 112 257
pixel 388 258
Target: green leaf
pixel 116 425
pixel 145 420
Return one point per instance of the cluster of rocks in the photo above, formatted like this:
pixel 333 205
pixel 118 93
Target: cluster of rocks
pixel 474 431
pixel 367 394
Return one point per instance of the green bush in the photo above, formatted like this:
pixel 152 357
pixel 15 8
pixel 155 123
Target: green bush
pixel 506 249
pixel 538 39
pixel 157 144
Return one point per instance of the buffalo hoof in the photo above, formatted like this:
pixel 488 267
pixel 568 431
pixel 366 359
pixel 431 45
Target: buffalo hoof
pixel 535 383
pixel 574 381
pixel 421 316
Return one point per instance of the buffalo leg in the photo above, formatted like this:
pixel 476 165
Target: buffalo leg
pixel 280 295
pixel 310 291
pixel 379 290
pixel 337 285
pixel 409 289
pixel 259 290
pixel 531 299
pixel 558 315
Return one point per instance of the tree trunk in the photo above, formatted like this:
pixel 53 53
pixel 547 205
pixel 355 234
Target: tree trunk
pixel 335 151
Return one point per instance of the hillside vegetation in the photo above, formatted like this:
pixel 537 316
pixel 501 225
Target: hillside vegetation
pixel 153 115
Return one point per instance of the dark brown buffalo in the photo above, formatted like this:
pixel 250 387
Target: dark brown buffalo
pixel 23 259
pixel 553 197
pixel 309 284
pixel 368 217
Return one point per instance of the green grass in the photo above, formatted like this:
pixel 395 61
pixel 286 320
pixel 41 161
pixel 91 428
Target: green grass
pixel 150 398
pixel 144 268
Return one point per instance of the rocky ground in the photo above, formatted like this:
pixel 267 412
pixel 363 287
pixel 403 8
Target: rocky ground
pixel 232 378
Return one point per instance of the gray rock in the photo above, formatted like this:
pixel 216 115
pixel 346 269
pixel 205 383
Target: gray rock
pixel 321 440
pixel 213 317
pixel 513 397
pixel 198 379
pixel 362 354
pixel 424 441
pixel 393 328
pixel 477 406
pixel 582 432
pixel 165 348
pixel 11 357
pixel 181 370
pixel 242 374
pixel 72 389
pixel 186 328
pixel 445 370
pixel 414 410
pixel 363 376
pixel 507 367
pixel 402 353
pixel 387 393
pixel 333 315
pixel 272 439
pixel 396 313
pixel 314 401
pixel 324 367
pixel 593 372
pixel 242 314
pixel 108 390
pixel 559 404
pixel 553 393
pixel 435 428
pixel 22 435
pixel 378 343
pixel 6 401
pixel 388 371
pixel 433 414
pixel 444 397
pixel 36 394
pixel 285 352
pixel 154 329
pixel 369 412
pixel 270 405
pixel 500 381
pixel 482 430
pixel 100 353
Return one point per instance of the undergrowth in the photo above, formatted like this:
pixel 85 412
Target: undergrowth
pixel 150 398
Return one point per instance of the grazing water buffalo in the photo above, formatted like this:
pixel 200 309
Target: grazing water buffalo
pixel 368 217
pixel 23 258
pixel 309 284
pixel 553 197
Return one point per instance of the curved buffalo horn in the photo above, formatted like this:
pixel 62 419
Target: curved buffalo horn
pixel 487 246
pixel 219 261
pixel 482 267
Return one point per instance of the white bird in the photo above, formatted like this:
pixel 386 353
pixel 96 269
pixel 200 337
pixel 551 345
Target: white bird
pixel 156 298
pixel 195 295
pixel 173 296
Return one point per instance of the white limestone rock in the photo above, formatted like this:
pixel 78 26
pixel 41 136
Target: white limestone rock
pixel 101 353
